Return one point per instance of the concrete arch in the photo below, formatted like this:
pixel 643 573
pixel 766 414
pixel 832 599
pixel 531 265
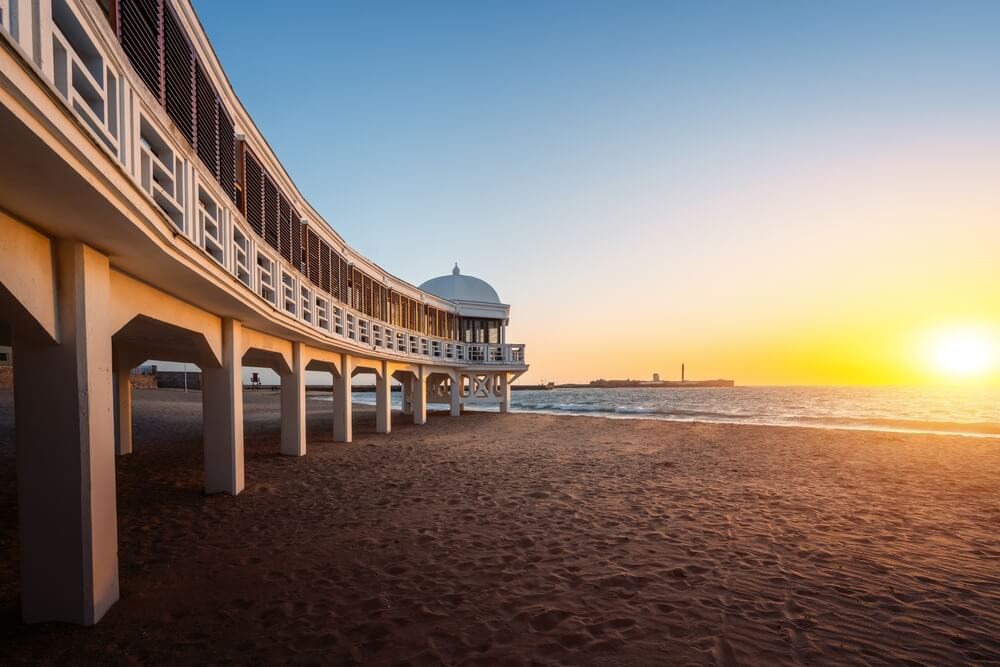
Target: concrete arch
pixel 27 283
pixel 131 298
pixel 266 351
pixel 145 337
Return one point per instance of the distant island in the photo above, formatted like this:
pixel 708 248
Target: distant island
pixel 621 384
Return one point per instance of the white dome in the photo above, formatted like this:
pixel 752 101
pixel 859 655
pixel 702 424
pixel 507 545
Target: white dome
pixel 456 287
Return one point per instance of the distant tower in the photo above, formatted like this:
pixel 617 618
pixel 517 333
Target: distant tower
pixel 682 372
pixel 656 377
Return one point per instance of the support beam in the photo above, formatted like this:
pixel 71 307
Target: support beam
pixel 342 408
pixel 383 400
pixel 222 414
pixel 504 392
pixel 456 395
pixel 123 410
pixel 293 406
pixel 420 396
pixel 65 451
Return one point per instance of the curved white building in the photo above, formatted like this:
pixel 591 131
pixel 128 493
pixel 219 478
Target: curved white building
pixel 144 216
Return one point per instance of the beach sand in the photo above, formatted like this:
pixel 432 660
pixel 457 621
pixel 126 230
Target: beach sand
pixel 512 539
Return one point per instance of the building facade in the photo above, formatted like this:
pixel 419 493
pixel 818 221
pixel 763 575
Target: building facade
pixel 144 216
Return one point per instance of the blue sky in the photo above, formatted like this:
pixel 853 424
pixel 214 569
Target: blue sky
pixel 548 145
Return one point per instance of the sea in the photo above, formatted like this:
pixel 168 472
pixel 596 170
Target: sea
pixel 950 410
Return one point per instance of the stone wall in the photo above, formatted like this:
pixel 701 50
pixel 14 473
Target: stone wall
pixel 6 377
pixel 175 379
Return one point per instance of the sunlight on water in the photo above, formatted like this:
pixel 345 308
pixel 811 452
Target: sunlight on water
pixel 974 411
pixel 966 411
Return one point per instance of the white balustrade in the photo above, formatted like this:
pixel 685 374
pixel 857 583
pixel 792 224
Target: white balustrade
pixel 265 279
pixel 83 76
pixel 241 257
pixel 210 227
pixel 161 172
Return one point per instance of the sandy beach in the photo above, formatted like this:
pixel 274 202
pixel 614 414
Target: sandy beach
pixel 517 539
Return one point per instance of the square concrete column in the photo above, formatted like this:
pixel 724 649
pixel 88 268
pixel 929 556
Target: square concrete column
pixel 406 393
pixel 420 396
pixel 293 406
pixel 342 408
pixel 123 410
pixel 64 420
pixel 504 392
pixel 383 400
pixel 222 415
pixel 456 395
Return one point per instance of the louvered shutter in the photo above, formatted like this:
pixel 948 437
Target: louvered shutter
pixel 270 211
pixel 324 265
pixel 312 256
pixel 253 185
pixel 297 259
pixel 178 64
pixel 284 227
pixel 207 120
pixel 139 34
pixel 227 153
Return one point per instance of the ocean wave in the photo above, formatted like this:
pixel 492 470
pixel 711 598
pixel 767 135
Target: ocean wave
pixel 980 428
pixel 666 413
pixel 628 410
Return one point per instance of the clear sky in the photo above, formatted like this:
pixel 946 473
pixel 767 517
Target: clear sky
pixel 779 192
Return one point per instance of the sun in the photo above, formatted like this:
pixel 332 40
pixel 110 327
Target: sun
pixel 962 352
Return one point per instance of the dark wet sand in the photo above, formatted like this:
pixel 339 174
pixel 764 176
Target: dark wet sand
pixel 512 539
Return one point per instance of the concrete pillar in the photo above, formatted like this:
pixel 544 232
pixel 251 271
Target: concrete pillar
pixel 420 396
pixel 64 420
pixel 383 400
pixel 123 411
pixel 407 394
pixel 342 408
pixel 222 414
pixel 456 395
pixel 293 406
pixel 504 392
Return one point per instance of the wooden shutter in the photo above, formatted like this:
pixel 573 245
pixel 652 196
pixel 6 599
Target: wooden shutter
pixel 207 121
pixel 284 227
pixel 253 184
pixel 297 259
pixel 178 69
pixel 312 256
pixel 270 211
pixel 139 34
pixel 227 154
pixel 367 294
pixel 324 265
pixel 345 267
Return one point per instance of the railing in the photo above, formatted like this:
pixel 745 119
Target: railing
pixel 99 90
pixel 83 74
